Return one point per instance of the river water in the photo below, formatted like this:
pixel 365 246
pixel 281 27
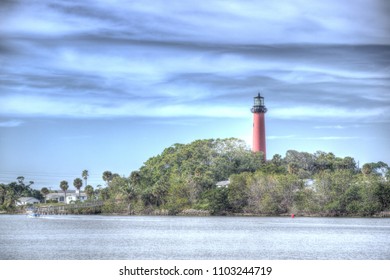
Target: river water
pixel 164 237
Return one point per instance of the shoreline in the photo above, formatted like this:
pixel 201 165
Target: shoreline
pixel 378 215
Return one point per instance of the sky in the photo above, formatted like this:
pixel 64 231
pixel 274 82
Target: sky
pixel 105 85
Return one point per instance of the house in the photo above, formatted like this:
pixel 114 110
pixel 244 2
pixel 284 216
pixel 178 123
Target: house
pixel 71 196
pixel 26 201
pixel 223 184
pixel 75 196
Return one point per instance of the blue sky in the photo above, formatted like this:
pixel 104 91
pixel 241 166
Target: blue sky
pixel 104 85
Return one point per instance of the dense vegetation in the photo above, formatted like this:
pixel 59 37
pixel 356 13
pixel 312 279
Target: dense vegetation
pixel 182 179
pixel 10 193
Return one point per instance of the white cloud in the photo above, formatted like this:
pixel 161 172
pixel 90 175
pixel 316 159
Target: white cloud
pixel 329 127
pixel 104 67
pixel 236 21
pixel 321 138
pixel 38 106
pixel 326 138
pixel 328 112
pixel 11 123
pixel 278 137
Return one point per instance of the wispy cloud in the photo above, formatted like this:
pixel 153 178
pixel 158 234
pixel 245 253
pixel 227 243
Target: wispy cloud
pixel 92 60
pixel 41 106
pixel 335 113
pixel 321 138
pixel 330 138
pixel 329 127
pixel 11 123
pixel 279 137
pixel 234 21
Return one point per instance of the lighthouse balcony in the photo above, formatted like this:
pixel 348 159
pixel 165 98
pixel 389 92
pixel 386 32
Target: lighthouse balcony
pixel 258 109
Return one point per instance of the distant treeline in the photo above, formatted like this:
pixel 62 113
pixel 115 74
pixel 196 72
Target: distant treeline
pixel 183 178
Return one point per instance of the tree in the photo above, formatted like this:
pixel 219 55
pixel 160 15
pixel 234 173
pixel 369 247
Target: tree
pixel 238 191
pixel 380 168
pixel 184 177
pixel 3 190
pixel 45 191
pixel 323 161
pixel 104 194
pixel 199 165
pixel 107 177
pixel 78 183
pixel 272 194
pixel 135 178
pixel 64 187
pixel 331 189
pixel 179 196
pixel 218 201
pixel 89 191
pixel 382 192
pixel 277 160
pixel 10 198
pixel 122 189
pixel 287 186
pixel 346 163
pixel 21 189
pixel 371 194
pixel 367 169
pixel 20 179
pixel 85 176
pixel 293 168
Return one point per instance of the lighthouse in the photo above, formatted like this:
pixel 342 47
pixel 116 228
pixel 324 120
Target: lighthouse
pixel 259 111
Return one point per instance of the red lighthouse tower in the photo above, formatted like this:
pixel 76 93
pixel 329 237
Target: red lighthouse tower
pixel 259 111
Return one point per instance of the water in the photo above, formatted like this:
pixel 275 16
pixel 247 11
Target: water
pixel 141 238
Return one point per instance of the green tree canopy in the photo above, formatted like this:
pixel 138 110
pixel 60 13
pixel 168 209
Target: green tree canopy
pixel 78 183
pixel 64 186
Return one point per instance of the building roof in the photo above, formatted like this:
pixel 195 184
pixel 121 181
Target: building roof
pixel 223 183
pixel 28 199
pixel 56 195
pixel 67 192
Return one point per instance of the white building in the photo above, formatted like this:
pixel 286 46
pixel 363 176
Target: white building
pixel 75 196
pixel 223 184
pixel 71 196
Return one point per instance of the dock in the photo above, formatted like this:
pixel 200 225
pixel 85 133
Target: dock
pixel 384 214
pixel 65 209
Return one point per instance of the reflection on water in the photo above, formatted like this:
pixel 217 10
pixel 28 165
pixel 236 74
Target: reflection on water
pixel 134 237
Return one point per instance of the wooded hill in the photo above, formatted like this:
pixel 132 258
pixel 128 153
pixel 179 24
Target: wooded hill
pixel 182 179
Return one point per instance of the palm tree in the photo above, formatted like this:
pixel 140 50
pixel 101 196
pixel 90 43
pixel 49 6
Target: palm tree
pixel 78 183
pixel 129 193
pixel 64 187
pixel 45 191
pixel 85 176
pixel 89 191
pixel 107 177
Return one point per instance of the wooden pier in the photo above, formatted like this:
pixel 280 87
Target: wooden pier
pixel 65 209
pixel 384 214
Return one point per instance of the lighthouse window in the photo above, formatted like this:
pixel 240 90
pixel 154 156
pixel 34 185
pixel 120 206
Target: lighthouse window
pixel 259 101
